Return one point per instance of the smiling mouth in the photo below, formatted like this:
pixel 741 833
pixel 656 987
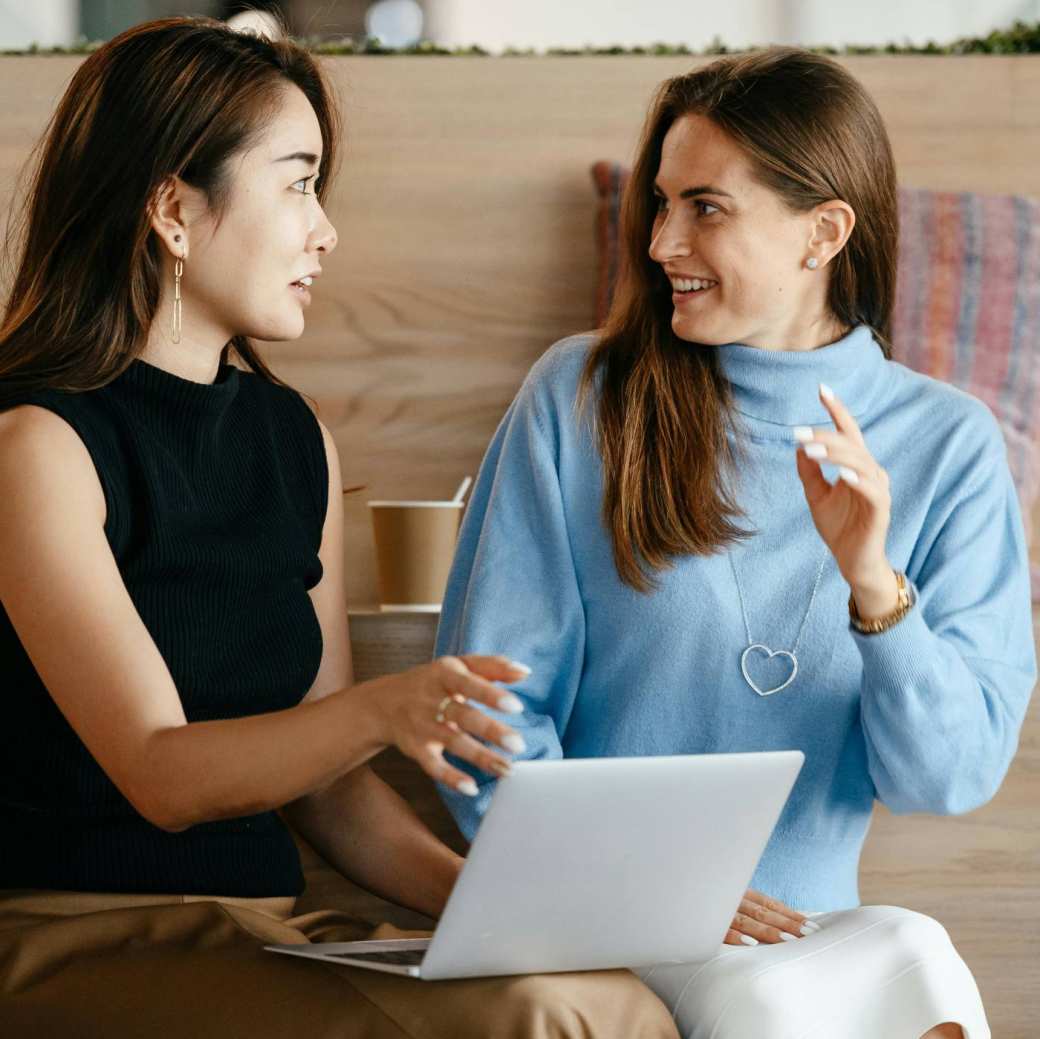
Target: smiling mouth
pixel 685 288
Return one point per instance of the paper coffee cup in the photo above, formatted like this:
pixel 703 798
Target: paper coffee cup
pixel 415 544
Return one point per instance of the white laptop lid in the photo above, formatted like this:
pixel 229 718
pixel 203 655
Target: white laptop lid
pixel 586 864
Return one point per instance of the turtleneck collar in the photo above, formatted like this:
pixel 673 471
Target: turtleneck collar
pixel 206 398
pixel 781 387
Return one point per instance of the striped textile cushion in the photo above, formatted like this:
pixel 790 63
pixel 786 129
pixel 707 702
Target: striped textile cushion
pixel 967 307
pixel 968 312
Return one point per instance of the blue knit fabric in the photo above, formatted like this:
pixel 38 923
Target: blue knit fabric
pixel 924 717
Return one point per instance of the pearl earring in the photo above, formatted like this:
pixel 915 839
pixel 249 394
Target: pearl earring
pixel 812 263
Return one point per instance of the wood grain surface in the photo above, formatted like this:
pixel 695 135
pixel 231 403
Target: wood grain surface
pixel 464 210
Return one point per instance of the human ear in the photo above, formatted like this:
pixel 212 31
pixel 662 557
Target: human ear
pixel 831 226
pixel 168 216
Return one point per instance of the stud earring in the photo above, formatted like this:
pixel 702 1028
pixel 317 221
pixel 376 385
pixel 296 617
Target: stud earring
pixel 812 263
pixel 178 270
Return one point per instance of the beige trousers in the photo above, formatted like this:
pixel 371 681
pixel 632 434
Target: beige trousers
pixel 103 966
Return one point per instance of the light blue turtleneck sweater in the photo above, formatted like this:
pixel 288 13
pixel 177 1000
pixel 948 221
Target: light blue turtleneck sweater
pixel 924 717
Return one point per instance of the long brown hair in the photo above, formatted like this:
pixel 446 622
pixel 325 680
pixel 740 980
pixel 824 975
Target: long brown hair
pixel 812 134
pixel 174 96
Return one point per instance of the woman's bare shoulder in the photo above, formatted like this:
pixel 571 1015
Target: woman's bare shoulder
pixel 44 458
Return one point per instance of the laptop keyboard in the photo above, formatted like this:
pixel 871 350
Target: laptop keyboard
pixel 405 958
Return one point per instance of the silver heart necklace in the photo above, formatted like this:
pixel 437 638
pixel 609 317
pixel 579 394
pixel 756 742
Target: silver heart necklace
pixel 753 646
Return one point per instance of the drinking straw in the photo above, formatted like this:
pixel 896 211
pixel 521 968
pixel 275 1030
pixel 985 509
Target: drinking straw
pixel 463 487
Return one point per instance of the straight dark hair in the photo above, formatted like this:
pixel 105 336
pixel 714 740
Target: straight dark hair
pixel 177 96
pixel 812 135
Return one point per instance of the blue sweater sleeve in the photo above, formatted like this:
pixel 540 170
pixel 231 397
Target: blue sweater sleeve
pixel 512 587
pixel 945 690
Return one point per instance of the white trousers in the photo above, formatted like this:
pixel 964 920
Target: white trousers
pixel 876 972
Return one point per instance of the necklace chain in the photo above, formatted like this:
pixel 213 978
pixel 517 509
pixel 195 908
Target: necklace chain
pixel 792 652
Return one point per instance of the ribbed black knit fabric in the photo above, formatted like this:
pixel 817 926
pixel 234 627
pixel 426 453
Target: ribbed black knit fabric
pixel 216 498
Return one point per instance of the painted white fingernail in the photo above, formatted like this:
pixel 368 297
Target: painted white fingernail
pixel 813 927
pixel 807 930
pixel 467 787
pixel 788 937
pixel 513 742
pixel 826 392
pixel 748 940
pixel 803 434
pixel 510 704
pixel 848 475
pixel 816 451
pixel 517 666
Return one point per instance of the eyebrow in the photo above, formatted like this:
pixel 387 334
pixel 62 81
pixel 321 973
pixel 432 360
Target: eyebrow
pixel 308 157
pixel 702 189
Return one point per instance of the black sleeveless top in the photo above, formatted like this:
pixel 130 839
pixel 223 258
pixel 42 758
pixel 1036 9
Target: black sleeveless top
pixel 216 497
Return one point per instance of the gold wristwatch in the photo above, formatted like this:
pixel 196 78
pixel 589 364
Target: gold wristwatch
pixel 879 624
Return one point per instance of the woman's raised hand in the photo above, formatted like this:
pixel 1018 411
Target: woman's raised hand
pixel 852 515
pixel 764 919
pixel 426 711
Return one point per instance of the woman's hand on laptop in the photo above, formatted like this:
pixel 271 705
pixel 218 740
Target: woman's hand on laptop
pixel 764 919
pixel 425 712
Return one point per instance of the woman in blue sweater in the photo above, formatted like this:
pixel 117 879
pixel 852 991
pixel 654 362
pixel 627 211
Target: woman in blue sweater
pixel 729 522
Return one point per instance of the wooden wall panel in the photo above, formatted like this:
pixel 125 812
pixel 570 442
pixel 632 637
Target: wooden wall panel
pixel 464 210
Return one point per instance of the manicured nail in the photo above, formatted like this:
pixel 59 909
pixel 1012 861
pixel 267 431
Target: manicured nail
pixel 806 929
pixel 510 704
pixel 788 937
pixel 748 940
pixel 516 666
pixel 513 742
pixel 826 392
pixel 811 924
pixel 816 451
pixel 848 475
pixel 803 434
pixel 467 787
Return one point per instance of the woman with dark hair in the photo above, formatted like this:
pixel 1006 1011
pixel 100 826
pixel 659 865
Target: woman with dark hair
pixel 728 522
pixel 173 636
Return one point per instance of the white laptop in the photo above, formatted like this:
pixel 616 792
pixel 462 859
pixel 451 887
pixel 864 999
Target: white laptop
pixel 594 863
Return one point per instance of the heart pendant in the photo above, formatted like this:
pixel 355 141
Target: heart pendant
pixel 770 653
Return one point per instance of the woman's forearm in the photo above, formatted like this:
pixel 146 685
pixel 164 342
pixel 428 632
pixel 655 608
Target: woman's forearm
pixel 942 727
pixel 211 770
pixel 363 828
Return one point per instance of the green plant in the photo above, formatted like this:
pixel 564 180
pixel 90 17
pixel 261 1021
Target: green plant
pixel 1021 38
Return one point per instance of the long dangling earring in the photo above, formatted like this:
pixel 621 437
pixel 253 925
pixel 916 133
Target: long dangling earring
pixel 178 270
